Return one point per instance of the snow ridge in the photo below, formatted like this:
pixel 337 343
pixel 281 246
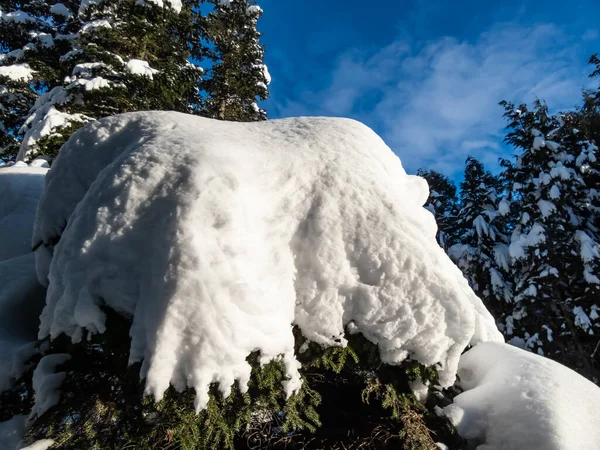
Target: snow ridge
pixel 218 237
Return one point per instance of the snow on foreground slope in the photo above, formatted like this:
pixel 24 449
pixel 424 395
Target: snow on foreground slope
pixel 217 237
pixel 517 400
pixel 21 296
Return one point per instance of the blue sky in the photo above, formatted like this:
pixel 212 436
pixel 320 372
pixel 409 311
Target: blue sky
pixel 427 76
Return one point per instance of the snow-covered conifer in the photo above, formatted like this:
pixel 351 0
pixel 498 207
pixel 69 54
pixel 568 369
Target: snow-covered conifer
pixel 103 58
pixel 179 314
pixel 238 77
pixel 26 48
pixel 553 252
pixel 481 249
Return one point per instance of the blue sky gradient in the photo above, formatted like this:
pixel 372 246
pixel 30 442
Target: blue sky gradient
pixel 428 76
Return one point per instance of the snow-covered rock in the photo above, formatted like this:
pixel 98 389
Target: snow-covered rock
pixel 515 399
pixel 218 237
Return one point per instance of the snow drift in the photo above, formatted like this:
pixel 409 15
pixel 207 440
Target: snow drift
pixel 217 238
pixel 514 399
pixel 21 296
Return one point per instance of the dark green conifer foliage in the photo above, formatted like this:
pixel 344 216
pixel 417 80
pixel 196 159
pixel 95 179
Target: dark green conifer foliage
pixel 108 58
pixel 348 400
pixel 21 46
pixel 238 76
pixel 588 123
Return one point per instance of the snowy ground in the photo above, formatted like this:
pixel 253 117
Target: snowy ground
pixel 21 296
pixel 514 399
pixel 218 237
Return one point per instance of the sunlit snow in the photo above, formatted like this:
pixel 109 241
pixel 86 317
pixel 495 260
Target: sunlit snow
pixel 515 399
pixel 218 237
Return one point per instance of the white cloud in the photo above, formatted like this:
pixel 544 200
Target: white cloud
pixel 437 103
pixel 449 91
pixel 356 74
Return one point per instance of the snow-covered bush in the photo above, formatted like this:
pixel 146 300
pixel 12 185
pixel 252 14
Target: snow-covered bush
pixel 270 285
pixel 235 253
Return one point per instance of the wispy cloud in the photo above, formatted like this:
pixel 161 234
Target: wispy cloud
pixel 590 35
pixel 437 102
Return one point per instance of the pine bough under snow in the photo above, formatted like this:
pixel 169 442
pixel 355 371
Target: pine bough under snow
pixel 218 237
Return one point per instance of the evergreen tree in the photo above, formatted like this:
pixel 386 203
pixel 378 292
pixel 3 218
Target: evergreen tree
pixel 64 64
pixel 555 257
pixel 95 59
pixel 238 75
pixel 442 203
pixel 588 125
pixel 481 251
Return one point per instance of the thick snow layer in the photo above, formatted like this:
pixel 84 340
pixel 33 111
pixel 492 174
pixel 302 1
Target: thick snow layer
pixel 20 189
pixel 217 237
pixel 44 119
pixel 254 10
pixel 174 4
pixel 546 208
pixel 16 16
pixel 43 444
pixel 514 399
pixel 60 9
pixel 17 72
pixel 46 381
pixel 140 67
pixel 95 24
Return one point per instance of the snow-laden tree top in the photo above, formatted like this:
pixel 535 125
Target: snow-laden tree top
pixel 218 237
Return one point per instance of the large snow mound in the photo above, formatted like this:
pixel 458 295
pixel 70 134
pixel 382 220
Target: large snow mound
pixel 218 237
pixel 516 400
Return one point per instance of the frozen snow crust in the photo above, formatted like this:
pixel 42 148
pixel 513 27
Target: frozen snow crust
pixel 218 237
pixel 516 400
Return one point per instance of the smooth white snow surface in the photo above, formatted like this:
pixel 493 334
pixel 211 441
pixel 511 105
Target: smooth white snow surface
pixel 217 237
pixel 21 296
pixel 20 189
pixel 43 444
pixel 516 400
